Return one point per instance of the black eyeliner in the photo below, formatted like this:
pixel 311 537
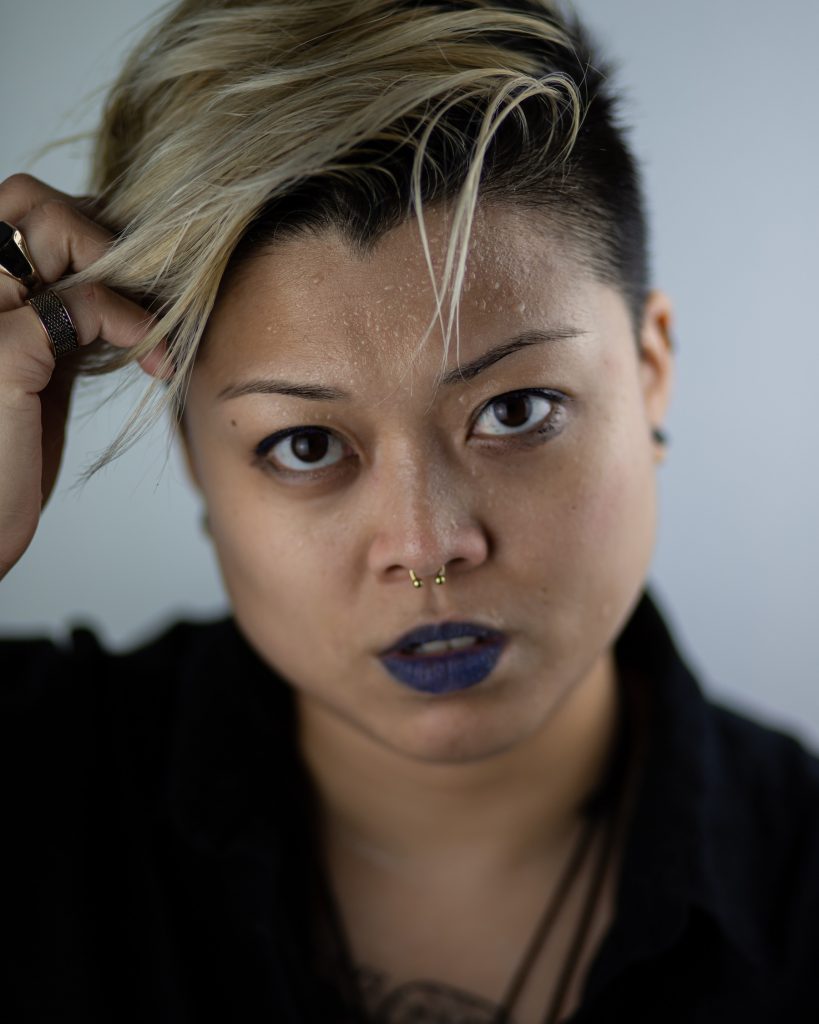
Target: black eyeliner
pixel 263 447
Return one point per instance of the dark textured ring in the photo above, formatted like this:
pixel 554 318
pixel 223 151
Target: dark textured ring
pixel 56 321
pixel 15 259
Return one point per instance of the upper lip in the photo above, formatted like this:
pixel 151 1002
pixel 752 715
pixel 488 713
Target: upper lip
pixel 442 631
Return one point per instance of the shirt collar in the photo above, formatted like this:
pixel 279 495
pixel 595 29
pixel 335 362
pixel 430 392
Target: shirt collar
pixel 690 818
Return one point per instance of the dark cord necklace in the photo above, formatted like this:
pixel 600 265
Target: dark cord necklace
pixel 544 927
pixel 602 811
pixel 605 802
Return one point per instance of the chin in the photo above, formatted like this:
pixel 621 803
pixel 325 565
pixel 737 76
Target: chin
pixel 457 729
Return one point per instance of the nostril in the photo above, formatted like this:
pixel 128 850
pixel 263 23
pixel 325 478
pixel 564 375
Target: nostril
pixel 392 557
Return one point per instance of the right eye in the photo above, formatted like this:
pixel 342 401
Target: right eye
pixel 301 450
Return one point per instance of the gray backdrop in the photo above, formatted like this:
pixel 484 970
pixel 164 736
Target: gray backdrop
pixel 722 99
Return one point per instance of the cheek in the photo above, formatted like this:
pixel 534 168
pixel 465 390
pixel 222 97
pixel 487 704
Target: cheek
pixel 616 528
pixel 262 553
pixel 587 532
pixel 620 510
pixel 282 569
pixel 283 588
pixel 255 543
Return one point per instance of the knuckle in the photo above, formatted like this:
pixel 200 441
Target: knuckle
pixel 26 363
pixel 14 295
pixel 18 185
pixel 90 293
pixel 55 209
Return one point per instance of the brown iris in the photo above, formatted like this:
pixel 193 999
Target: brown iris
pixel 310 446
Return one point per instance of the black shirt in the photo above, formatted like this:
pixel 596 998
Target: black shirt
pixel 160 852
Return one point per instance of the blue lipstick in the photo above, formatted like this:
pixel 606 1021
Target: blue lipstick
pixel 444 671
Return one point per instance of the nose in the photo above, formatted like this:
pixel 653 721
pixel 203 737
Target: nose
pixel 425 518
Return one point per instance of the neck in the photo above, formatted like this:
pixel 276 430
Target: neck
pixel 405 815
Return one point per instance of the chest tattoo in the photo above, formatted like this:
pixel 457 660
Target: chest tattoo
pixel 421 1002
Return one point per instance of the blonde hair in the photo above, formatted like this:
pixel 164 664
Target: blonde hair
pixel 225 108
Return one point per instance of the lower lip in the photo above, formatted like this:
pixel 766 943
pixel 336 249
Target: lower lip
pixel 446 672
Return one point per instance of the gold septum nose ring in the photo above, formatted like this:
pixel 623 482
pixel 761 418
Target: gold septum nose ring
pixel 440 577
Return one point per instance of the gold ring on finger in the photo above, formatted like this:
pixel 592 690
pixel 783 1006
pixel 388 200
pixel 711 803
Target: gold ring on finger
pixel 56 322
pixel 15 259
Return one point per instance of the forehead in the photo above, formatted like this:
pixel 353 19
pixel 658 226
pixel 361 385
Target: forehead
pixel 312 298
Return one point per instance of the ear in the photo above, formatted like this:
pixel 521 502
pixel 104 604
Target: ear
pixel 656 357
pixel 187 454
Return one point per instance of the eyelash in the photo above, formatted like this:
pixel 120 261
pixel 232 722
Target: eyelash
pixel 534 435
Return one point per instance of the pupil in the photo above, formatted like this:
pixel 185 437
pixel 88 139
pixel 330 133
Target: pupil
pixel 309 447
pixel 509 407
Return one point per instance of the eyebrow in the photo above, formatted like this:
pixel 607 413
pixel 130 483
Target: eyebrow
pixel 461 374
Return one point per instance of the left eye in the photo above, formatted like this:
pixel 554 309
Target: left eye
pixel 518 412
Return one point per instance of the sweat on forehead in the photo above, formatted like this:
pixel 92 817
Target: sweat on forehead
pixel 314 286
pixel 502 234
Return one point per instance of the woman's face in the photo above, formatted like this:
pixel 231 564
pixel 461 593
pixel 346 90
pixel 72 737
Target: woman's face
pixel 542 508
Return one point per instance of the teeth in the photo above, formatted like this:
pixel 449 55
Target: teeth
pixel 462 641
pixel 437 646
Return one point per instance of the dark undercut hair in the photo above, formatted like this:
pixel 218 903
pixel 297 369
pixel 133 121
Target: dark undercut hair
pixel 595 193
